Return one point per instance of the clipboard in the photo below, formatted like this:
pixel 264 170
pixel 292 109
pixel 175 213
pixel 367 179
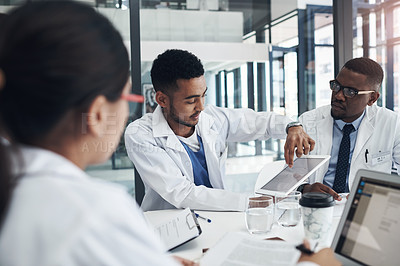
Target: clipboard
pixel 178 230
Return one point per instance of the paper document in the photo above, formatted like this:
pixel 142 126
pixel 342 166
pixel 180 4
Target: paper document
pixel 243 249
pixel 179 229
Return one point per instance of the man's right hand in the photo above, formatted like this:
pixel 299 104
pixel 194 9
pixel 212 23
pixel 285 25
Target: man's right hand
pixel 318 187
pixel 324 257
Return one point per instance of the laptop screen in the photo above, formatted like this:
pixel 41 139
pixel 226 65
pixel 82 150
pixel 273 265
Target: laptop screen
pixel 371 233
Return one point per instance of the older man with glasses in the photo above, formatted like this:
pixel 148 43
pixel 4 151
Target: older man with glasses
pixel 354 131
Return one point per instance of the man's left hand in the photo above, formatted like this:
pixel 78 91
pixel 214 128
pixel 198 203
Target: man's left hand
pixel 297 140
pixel 318 187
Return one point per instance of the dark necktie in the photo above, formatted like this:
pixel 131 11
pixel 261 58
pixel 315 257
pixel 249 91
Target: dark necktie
pixel 342 166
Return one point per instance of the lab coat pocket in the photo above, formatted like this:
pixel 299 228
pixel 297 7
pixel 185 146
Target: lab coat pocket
pixel 310 127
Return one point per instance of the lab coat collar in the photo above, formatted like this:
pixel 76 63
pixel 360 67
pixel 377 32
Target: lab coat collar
pixel 370 112
pixel 40 162
pixel 324 136
pixel 205 127
pixel 366 129
pixel 356 123
pixel 160 125
pixel 162 129
pixel 209 136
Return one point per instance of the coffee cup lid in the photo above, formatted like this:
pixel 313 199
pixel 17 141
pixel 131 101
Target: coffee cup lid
pixel 317 200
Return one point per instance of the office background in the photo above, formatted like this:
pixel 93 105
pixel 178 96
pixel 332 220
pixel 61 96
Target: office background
pixel 268 55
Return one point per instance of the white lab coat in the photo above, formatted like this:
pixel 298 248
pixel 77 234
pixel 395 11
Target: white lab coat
pixel 379 133
pixel 165 166
pixel 60 216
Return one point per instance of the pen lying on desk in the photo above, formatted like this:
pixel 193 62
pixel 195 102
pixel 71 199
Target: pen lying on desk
pixel 203 218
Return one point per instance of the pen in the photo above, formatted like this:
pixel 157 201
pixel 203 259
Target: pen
pixel 366 157
pixel 304 250
pixel 201 217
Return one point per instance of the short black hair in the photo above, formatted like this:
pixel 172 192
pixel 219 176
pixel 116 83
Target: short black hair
pixel 172 65
pixel 367 67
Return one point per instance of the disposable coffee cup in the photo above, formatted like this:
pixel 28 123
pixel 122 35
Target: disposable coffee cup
pixel 317 213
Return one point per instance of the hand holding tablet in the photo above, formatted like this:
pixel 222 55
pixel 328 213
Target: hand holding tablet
pixel 290 178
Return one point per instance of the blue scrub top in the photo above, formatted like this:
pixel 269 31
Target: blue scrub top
pixel 199 164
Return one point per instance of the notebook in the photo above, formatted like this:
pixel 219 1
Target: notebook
pixel 369 230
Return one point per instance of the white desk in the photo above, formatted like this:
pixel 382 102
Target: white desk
pixel 222 223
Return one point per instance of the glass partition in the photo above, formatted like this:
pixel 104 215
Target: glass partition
pixel 377 36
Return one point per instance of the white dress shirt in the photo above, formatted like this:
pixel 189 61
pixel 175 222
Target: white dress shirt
pixel 338 126
pixel 60 216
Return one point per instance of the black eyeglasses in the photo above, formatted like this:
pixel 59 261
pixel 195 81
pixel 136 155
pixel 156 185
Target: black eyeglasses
pixel 348 92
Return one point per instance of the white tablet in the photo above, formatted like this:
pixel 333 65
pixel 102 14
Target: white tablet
pixel 290 178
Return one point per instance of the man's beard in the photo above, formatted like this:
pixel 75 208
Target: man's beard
pixel 339 114
pixel 336 117
pixel 176 118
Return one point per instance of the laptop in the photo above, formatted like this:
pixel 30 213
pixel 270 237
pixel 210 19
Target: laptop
pixel 369 229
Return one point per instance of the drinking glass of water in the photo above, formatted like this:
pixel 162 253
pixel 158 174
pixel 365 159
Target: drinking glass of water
pixel 288 209
pixel 259 214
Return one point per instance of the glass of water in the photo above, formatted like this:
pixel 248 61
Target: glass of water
pixel 288 209
pixel 259 214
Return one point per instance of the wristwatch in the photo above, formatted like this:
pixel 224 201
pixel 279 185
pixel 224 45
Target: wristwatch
pixel 293 124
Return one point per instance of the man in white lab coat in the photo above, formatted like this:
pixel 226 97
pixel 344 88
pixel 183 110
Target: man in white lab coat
pixel 375 136
pixel 180 149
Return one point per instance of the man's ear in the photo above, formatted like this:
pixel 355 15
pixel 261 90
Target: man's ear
pixel 96 117
pixel 162 99
pixel 373 98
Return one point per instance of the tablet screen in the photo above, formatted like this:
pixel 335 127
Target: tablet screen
pixel 288 177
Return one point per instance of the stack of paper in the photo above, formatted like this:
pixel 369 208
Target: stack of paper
pixel 243 249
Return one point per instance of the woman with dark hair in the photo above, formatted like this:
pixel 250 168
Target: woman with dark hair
pixel 63 76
